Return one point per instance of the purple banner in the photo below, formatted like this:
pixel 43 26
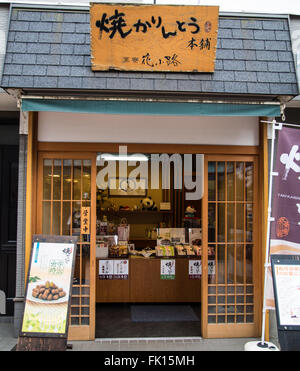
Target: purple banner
pixel 285 229
pixel 286 195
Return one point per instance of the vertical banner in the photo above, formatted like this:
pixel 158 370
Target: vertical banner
pixel 285 228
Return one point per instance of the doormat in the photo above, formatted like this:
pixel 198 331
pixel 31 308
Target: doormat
pixel 162 313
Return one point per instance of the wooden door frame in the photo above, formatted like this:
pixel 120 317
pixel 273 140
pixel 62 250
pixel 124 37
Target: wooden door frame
pixel 226 330
pixel 81 150
pixel 75 332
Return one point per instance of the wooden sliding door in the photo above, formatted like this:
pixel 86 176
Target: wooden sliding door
pixel 64 187
pixel 231 295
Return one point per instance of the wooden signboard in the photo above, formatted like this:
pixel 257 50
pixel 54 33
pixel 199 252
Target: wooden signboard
pixel 286 283
pixel 48 293
pixel 153 37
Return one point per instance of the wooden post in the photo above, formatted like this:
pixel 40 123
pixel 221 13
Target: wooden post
pixel 264 171
pixel 26 343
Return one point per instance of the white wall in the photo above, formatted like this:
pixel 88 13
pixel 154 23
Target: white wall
pixel 75 127
pixel 295 32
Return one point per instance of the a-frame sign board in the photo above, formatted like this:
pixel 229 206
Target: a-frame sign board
pixel 48 294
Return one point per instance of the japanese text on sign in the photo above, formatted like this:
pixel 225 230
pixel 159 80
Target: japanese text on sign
pixel 153 38
pixel 85 220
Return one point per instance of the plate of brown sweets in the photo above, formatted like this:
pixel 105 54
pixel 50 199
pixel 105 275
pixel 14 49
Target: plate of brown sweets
pixel 47 292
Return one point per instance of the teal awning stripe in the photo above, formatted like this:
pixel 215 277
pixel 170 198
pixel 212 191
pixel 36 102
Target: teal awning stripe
pixel 150 108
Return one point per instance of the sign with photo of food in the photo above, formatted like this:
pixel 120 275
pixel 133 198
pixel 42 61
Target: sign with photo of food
pixel 49 288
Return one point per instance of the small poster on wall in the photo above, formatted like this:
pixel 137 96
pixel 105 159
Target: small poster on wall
pixel 167 269
pixel 49 286
pixel 195 269
pixel 121 269
pixel 106 269
pixel 195 236
pixel 117 269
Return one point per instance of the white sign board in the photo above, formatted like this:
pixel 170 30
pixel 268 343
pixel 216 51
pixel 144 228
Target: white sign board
pixel 287 281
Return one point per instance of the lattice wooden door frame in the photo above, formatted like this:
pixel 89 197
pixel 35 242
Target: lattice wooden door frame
pixel 82 313
pixel 231 308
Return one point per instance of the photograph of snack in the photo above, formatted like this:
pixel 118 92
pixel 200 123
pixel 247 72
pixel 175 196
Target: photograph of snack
pixel 165 242
pixel 48 292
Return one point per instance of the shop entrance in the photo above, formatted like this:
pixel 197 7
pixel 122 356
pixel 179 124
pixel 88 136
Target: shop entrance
pixel 120 275
pixel 141 201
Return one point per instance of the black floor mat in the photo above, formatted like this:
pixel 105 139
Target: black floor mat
pixel 162 313
pixel 115 321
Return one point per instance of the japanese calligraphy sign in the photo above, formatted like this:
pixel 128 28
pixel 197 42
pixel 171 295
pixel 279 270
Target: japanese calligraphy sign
pixel 167 269
pixel 285 228
pixel 195 269
pixel 49 286
pixel 117 269
pixel 85 220
pixel 153 37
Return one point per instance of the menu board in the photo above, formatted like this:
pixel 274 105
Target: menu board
pixel 49 287
pixel 286 278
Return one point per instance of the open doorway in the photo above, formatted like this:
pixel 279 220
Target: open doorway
pixel 212 242
pixel 148 245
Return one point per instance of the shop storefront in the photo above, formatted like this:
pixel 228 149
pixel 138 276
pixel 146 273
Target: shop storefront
pixel 162 175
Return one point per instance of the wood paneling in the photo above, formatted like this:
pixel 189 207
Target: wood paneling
pixel 144 284
pixel 148 148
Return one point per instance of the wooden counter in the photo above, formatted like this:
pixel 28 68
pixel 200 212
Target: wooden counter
pixel 144 284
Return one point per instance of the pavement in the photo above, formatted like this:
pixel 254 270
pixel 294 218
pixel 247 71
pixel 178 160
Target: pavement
pixel 8 341
pixel 168 344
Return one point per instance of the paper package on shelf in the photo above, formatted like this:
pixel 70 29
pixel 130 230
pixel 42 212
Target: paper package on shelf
pixel 180 250
pixel 189 250
pixel 197 250
pixel 165 251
